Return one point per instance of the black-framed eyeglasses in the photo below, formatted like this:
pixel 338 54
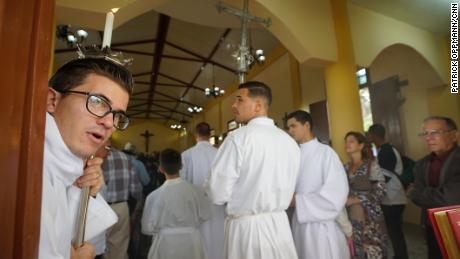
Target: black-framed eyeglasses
pixel 98 106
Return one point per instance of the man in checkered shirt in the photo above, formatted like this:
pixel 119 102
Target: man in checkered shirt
pixel 121 182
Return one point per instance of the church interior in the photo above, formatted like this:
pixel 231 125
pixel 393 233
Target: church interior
pixel 350 63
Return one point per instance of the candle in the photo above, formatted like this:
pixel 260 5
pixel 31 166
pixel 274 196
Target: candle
pixel 108 30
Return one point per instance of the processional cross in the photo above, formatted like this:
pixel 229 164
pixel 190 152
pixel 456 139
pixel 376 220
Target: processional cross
pixel 147 136
pixel 244 57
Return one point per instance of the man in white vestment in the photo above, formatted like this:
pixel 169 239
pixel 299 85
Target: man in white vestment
pixel 86 102
pixel 254 173
pixel 321 193
pixel 173 212
pixel 196 165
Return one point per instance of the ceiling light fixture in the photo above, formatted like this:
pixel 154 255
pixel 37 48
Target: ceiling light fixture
pixel 195 109
pixel 214 90
pixel 64 33
pixel 176 126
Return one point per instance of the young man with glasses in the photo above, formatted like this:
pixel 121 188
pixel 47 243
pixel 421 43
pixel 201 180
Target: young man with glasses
pixel 437 175
pixel 87 100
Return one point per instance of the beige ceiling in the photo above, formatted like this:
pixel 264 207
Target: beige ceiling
pixel 197 39
pixel 431 15
pixel 197 26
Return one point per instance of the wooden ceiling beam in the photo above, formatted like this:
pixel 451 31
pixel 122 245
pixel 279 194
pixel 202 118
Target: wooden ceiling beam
pixel 171 110
pixel 113 45
pixel 205 62
pixel 208 59
pixel 167 96
pixel 200 57
pixel 156 100
pixel 142 110
pixel 136 105
pixel 162 32
pixel 153 54
pixel 182 82
pixel 167 109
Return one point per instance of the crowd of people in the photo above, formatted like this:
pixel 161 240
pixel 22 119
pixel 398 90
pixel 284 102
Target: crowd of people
pixel 230 202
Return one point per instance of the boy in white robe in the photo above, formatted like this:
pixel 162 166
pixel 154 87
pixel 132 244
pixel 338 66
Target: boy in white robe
pixel 197 162
pixel 321 193
pixel 173 212
pixel 254 173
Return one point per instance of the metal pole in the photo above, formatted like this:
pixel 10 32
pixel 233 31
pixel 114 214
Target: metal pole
pixel 82 215
pixel 243 65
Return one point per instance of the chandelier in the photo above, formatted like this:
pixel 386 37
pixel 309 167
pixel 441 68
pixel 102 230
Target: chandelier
pixel 64 33
pixel 176 126
pixel 195 109
pixel 214 90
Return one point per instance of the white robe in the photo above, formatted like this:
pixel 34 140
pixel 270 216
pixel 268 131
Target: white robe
pixel 254 173
pixel 172 214
pixel 321 193
pixel 196 165
pixel 60 199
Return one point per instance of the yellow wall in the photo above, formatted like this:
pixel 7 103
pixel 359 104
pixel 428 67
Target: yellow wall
pixel 410 65
pixel 212 117
pixel 164 137
pixel 312 84
pixel 227 114
pixel 294 23
pixel 372 32
pixel 276 73
pixel 278 77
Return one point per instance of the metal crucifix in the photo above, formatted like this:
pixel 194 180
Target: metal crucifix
pixel 147 136
pixel 244 55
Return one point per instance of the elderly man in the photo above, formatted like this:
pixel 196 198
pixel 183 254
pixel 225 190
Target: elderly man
pixel 86 103
pixel 437 175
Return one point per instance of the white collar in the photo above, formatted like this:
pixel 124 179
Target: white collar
pixel 203 142
pixel 59 162
pixel 309 143
pixel 264 120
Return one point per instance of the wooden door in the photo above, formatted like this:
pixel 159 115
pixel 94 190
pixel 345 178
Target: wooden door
pixel 25 44
pixel 385 103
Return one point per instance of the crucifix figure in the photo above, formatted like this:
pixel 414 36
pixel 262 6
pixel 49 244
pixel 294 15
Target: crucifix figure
pixel 244 56
pixel 147 136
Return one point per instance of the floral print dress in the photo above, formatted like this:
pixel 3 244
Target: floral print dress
pixel 369 231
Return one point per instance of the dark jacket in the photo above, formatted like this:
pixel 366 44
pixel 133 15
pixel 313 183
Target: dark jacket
pixel 448 191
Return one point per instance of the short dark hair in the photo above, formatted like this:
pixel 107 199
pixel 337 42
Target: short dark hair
pixel 258 89
pixel 171 161
pixel 302 117
pixel 450 124
pixel 377 130
pixel 203 129
pixel 366 153
pixel 76 71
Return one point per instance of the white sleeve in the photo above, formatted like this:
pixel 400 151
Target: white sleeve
pixel 185 172
pixel 344 223
pixel 224 172
pixel 148 218
pixel 330 199
pixel 204 205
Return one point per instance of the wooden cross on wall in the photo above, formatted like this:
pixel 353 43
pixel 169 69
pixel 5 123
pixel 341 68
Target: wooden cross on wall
pixel 147 136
